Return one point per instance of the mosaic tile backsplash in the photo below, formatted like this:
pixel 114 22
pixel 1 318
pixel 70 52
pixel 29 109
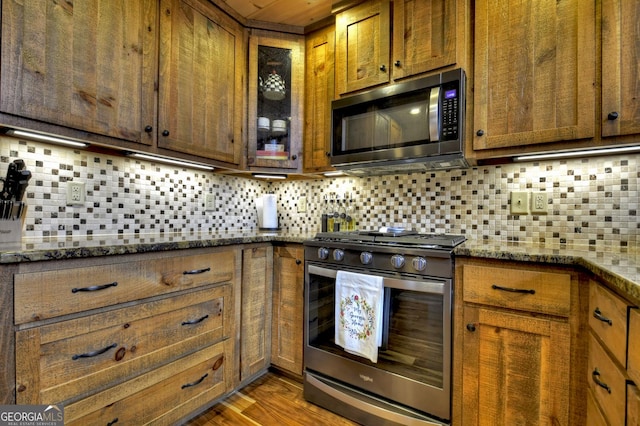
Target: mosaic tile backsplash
pixel 592 201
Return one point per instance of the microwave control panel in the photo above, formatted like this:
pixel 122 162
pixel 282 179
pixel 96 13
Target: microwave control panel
pixel 450 111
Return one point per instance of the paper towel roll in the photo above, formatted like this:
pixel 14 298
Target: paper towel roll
pixel 269 212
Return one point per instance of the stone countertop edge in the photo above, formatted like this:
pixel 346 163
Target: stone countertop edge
pixel 619 268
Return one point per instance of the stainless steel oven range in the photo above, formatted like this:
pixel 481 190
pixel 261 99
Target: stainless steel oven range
pixel 410 383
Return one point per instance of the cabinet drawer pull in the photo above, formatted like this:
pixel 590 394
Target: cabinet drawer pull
pixel 596 379
pixel 598 315
pixel 197 382
pixel 113 422
pixel 513 290
pixel 195 321
pixel 94 287
pixel 94 353
pixel 196 271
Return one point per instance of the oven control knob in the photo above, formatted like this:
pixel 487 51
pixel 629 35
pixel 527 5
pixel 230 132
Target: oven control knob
pixel 397 261
pixel 366 257
pixel 419 263
pixel 338 255
pixel 323 253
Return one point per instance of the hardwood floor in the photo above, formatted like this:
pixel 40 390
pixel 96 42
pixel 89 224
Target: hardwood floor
pixel 271 400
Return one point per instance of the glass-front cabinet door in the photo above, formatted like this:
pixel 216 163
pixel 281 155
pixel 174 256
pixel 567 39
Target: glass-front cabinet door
pixel 276 86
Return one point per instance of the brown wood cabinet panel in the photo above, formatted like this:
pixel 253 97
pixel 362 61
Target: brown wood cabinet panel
pixel 611 395
pixel 620 70
pixel 319 91
pixel 633 405
pixel 123 281
pixel 288 307
pixel 255 337
pixel 633 361
pixel 534 72
pixel 425 35
pixel 63 360
pixel 494 286
pixel 200 91
pixel 608 320
pixel 162 396
pixel 363 42
pixel 85 65
pixel 594 415
pixel 515 369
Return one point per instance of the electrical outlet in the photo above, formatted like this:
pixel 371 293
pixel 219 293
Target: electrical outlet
pixel 302 204
pixel 210 202
pixel 539 202
pixel 519 202
pixel 75 193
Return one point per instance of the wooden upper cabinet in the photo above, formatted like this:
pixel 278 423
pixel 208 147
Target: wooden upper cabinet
pixel 425 36
pixel 83 65
pixel 202 63
pixel 534 72
pixel 319 90
pixel 620 71
pixel 362 46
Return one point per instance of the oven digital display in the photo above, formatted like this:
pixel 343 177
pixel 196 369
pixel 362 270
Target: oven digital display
pixel 450 94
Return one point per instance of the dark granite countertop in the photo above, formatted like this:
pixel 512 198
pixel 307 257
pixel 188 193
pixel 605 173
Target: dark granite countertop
pixel 621 268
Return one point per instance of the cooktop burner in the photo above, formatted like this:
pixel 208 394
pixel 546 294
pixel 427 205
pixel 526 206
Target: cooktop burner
pixel 406 238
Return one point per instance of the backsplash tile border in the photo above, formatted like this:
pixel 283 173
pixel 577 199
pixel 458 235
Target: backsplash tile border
pixel 592 201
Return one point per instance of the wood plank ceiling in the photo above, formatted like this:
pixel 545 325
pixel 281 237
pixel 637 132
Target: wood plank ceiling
pixel 300 13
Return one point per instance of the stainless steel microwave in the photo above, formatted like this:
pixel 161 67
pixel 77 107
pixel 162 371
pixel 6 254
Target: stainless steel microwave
pixel 411 126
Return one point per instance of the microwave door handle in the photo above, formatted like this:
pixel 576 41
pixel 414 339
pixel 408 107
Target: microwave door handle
pixel 433 114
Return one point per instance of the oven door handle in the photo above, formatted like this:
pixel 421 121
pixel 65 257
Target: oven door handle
pixel 427 286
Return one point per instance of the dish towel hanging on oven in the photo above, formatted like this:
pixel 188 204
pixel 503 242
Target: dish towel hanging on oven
pixel 359 300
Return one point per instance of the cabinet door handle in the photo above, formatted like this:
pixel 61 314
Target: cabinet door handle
pixel 94 287
pixel 298 261
pixel 397 63
pixel 147 129
pixel 480 132
pixel 596 379
pixel 513 290
pixel 196 271
pixel 113 422
pixel 612 116
pixel 94 353
pixel 597 314
pixel 471 327
pixel 195 321
pixel 197 382
pixel 165 133
pixel 383 68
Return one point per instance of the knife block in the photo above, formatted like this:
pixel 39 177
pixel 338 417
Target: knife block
pixel 11 233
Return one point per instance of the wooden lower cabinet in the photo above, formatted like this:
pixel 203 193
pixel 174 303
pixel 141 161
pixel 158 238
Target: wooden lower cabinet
pixel 517 347
pixel 151 360
pixel 255 334
pixel 288 308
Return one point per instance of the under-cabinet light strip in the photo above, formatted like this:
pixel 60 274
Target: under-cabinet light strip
pixel 578 153
pixel 47 138
pixel 170 161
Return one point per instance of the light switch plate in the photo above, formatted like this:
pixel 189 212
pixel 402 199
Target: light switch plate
pixel 519 202
pixel 539 202
pixel 302 204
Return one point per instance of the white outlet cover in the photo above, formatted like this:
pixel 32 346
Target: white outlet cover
pixel 519 202
pixel 76 194
pixel 210 202
pixel 539 202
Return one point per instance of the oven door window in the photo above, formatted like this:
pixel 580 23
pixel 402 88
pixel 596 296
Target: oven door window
pixel 414 327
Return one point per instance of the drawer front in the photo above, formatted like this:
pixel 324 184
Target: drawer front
pixel 608 320
pixel 594 415
pixel 633 363
pixel 48 294
pixel 633 405
pixel 611 392
pixel 161 396
pixel 525 290
pixel 75 357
